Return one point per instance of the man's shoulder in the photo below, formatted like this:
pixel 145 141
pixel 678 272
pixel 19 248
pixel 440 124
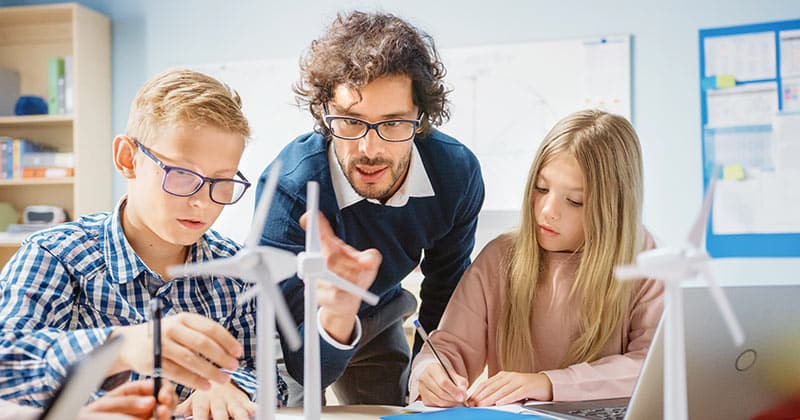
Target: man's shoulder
pixel 445 150
pixel 304 159
pixel 452 168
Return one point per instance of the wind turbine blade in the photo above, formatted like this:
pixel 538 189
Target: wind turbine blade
pixel 285 321
pixel 313 243
pixel 248 295
pixel 629 272
pixel 228 267
pixel 262 209
pixel 340 283
pixel 699 228
pixel 282 263
pixel 724 307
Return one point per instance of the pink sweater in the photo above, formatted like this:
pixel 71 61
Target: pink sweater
pixel 466 337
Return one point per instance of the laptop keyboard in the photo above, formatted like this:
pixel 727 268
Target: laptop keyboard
pixel 610 413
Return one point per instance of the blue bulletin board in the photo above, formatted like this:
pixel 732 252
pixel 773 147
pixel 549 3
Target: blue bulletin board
pixel 750 105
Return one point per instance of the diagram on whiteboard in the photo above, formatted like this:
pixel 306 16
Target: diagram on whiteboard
pixel 505 98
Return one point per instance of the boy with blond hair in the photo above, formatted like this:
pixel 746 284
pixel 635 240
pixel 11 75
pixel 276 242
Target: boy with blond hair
pixel 72 287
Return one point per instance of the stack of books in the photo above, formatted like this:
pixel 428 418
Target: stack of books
pixel 22 158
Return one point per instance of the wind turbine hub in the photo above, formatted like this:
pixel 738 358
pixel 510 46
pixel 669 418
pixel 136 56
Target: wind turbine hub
pixel 310 264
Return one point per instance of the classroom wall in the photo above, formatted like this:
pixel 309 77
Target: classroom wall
pixel 151 35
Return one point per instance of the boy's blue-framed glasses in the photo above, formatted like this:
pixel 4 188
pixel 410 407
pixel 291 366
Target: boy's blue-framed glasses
pixel 184 182
pixel 351 128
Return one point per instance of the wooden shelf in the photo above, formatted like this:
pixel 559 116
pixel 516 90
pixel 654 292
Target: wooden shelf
pixel 10 243
pixel 37 120
pixel 29 37
pixel 28 182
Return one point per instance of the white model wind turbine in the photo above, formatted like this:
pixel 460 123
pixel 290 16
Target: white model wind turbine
pixel 311 267
pixel 673 265
pixel 263 266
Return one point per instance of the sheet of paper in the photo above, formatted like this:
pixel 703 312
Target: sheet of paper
pixel 790 53
pixel 419 407
pixel 464 413
pixel 751 104
pixel 750 147
pixel 607 74
pixel 790 94
pixel 763 202
pixel 786 143
pixel 747 56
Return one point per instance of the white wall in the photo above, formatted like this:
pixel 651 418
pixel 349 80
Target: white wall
pixel 151 35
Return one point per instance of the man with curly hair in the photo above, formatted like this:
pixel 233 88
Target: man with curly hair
pixel 388 181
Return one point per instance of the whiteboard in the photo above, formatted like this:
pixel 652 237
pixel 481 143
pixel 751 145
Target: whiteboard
pixel 504 100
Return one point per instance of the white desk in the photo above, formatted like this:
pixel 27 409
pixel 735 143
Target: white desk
pixel 343 412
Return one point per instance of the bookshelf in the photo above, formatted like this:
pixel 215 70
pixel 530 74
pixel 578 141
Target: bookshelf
pixel 29 36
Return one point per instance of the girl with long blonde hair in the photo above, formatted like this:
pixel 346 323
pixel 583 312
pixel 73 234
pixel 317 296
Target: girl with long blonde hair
pixel 540 306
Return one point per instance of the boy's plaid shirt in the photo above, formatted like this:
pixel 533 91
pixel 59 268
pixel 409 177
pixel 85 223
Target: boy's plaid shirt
pixel 68 285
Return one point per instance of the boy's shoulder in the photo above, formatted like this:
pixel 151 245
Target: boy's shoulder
pixel 220 245
pixel 76 244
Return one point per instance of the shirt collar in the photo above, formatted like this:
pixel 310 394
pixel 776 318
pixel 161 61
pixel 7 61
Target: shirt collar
pixel 124 264
pixel 416 184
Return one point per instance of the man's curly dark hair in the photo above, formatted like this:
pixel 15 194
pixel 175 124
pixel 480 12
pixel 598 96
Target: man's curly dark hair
pixel 359 48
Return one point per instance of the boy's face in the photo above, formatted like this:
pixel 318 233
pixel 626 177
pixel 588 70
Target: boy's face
pixel 374 167
pixel 558 204
pixel 209 151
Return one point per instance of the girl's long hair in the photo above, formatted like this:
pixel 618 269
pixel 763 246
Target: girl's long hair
pixel 608 153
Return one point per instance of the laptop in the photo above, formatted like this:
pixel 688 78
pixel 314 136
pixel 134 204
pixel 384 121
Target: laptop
pixel 83 377
pixel 723 381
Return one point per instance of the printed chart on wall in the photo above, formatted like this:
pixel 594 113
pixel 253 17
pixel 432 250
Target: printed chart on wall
pixel 506 97
pixel 750 101
pixel 504 100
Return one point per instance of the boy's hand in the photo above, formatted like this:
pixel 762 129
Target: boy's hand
pixel 357 267
pixel 190 346
pixel 220 402
pixel 510 387
pixel 134 400
pixel 437 390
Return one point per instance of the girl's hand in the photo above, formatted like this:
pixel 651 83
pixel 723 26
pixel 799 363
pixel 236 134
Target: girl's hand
pixel 510 387
pixel 437 390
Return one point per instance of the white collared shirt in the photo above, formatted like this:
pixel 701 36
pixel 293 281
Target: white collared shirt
pixel 416 184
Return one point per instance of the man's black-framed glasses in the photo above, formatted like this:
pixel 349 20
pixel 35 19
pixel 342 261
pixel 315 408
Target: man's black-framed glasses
pixel 184 182
pixel 351 128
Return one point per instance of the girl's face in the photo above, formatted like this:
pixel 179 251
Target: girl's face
pixel 558 204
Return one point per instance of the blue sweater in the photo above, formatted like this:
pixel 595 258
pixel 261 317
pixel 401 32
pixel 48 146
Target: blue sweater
pixel 443 226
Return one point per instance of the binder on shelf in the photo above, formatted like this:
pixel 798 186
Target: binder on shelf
pixel 55 83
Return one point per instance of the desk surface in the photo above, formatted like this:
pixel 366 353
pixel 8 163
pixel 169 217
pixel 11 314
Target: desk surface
pixel 334 412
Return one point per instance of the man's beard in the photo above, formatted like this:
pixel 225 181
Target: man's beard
pixel 374 191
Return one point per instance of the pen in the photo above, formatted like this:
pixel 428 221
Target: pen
pixel 155 316
pixel 425 338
